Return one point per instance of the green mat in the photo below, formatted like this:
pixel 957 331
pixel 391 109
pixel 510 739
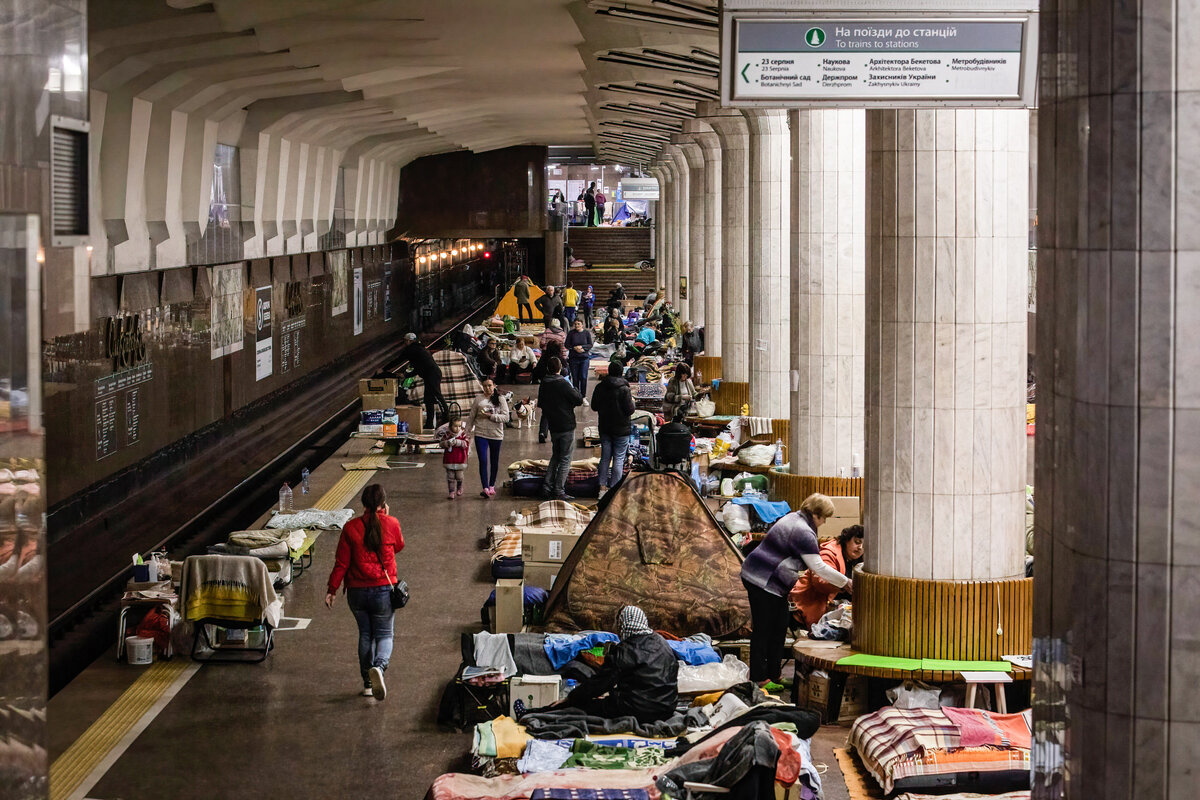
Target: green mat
pixel 929 664
pixel 950 665
pixel 883 662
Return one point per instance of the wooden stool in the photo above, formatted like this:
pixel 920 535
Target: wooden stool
pixel 996 679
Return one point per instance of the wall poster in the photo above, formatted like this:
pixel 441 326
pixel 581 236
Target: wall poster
pixel 387 295
pixel 358 300
pixel 264 342
pixel 226 309
pixel 339 300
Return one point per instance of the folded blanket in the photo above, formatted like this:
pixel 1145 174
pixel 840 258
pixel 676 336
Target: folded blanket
pixel 567 723
pixel 563 647
pixel 312 518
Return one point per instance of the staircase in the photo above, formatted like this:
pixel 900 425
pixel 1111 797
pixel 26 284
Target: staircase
pixel 609 247
pixel 610 255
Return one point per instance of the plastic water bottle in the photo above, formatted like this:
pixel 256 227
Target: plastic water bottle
pixel 779 452
pixel 304 473
pixel 285 498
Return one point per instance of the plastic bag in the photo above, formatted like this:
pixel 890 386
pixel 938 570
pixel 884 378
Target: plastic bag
pixel 914 694
pixel 736 518
pixel 713 677
pixel 757 455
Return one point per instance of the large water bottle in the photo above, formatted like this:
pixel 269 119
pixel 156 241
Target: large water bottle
pixel 779 452
pixel 304 473
pixel 285 499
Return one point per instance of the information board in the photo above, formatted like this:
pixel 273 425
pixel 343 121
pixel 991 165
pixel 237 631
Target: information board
pixel 774 60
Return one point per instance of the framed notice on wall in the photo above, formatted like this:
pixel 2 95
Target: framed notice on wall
pixel 264 342
pixel 339 283
pixel 225 309
pixel 358 301
pixel 387 295
pixel 682 288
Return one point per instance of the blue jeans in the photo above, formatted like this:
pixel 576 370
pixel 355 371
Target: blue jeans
pixel 372 609
pixel 560 462
pixel 570 310
pixel 578 367
pixel 489 453
pixel 613 449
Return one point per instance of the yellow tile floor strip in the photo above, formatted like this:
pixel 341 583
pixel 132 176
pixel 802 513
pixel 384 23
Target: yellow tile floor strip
pixel 71 768
pixel 368 462
pixel 345 490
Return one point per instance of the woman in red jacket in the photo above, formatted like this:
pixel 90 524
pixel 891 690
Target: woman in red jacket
pixel 811 595
pixel 366 559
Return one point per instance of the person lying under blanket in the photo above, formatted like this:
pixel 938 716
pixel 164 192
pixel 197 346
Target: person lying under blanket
pixel 638 678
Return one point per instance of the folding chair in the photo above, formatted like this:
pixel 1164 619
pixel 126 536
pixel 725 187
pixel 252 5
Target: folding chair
pixel 233 593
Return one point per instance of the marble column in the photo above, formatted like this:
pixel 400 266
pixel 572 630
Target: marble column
pixel 661 223
pixel 828 257
pixel 682 225
pixel 734 135
pixel 692 308
pixel 770 269
pixel 710 146
pixel 667 221
pixel 1117 529
pixel 947 276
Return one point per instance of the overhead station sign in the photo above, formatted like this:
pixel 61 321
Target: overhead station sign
pixel 901 61
pixel 639 188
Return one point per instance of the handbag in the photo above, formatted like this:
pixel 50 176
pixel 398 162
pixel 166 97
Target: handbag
pixel 705 408
pixel 399 594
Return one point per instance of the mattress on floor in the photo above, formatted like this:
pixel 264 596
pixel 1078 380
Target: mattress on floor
pixel 917 749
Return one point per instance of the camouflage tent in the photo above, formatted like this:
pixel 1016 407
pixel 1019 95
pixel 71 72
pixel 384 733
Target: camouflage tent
pixel 656 545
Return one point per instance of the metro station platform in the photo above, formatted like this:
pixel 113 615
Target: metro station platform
pixel 295 725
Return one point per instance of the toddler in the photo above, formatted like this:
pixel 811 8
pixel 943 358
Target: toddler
pixel 456 446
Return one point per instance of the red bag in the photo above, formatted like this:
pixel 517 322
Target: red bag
pixel 156 625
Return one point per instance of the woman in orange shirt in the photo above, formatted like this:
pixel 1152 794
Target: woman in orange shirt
pixel 811 595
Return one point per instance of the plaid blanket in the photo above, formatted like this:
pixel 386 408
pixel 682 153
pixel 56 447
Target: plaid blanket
pixel 536 467
pixel 550 515
pixel 459 384
pixel 902 743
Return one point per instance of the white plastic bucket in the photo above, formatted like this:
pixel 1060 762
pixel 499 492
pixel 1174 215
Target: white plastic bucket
pixel 139 650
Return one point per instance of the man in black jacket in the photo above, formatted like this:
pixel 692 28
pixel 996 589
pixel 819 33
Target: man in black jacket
pixel 551 306
pixel 431 375
pixel 558 400
pixel 639 677
pixel 613 402
pixel 617 298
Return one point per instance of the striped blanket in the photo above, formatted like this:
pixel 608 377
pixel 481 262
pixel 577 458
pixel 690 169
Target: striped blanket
pixel 459 384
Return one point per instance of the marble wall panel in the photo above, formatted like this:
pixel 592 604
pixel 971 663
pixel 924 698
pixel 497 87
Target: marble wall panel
pixel 945 433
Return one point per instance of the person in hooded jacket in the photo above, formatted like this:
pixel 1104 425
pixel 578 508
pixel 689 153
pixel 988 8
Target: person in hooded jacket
pixel 639 677
pixel 613 403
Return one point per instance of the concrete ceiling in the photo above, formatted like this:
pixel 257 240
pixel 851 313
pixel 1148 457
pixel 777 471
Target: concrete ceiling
pixel 394 79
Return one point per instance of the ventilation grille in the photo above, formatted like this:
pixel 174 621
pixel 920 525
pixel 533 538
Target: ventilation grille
pixel 69 181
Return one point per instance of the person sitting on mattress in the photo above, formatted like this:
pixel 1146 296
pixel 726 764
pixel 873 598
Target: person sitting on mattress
pixel 638 677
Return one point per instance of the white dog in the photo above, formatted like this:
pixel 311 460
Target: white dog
pixel 523 412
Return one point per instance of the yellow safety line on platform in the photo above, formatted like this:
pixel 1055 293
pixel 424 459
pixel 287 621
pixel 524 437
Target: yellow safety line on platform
pixel 71 768
pixel 368 462
pixel 345 490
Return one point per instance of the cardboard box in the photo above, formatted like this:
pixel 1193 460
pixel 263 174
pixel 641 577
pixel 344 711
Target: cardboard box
pixel 847 506
pixel 547 548
pixel 378 402
pixel 510 605
pixel 854 696
pixel 835 525
pixel 368 386
pixel 541 575
pixel 371 430
pixel 535 691
pixel 411 415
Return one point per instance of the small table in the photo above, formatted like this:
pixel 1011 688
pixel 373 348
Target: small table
pixel 302 555
pixel 819 655
pixel 131 600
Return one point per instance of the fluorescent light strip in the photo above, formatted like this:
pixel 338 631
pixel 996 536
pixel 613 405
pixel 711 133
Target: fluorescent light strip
pixel 642 110
pixel 693 62
pixel 645 63
pixel 661 127
pixel 685 93
pixel 712 93
pixel 612 87
pixel 688 8
pixel 661 19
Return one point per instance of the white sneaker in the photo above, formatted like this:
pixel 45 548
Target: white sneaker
pixel 603 491
pixel 366 692
pixel 378 687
